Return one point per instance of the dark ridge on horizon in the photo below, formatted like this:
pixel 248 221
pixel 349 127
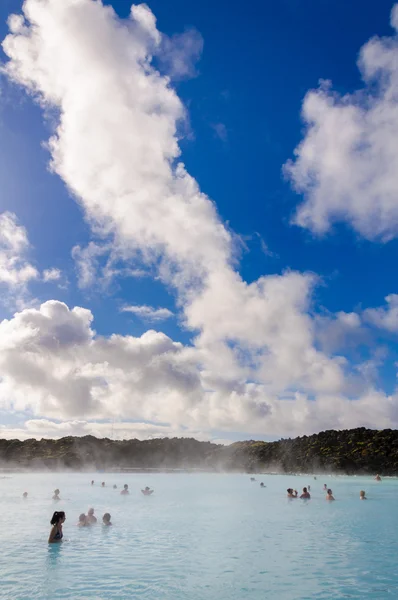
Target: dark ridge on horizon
pixel 353 451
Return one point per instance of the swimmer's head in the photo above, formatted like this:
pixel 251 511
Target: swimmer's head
pixel 147 488
pixel 305 490
pixel 56 492
pixel 362 494
pixel 103 484
pixel 58 517
pixel 25 495
pixel 90 511
pixel 114 486
pixel 126 486
pixel 106 518
pixel 82 518
pixel 330 492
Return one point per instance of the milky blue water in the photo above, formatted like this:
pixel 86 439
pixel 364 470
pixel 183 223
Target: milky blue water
pixel 199 536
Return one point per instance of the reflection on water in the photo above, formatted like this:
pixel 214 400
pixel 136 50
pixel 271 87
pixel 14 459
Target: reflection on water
pixel 54 552
pixel 199 537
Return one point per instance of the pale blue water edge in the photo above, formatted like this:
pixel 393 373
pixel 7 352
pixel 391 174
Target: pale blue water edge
pixel 200 536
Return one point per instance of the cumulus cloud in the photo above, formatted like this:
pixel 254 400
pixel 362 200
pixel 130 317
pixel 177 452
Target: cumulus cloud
pixel 347 164
pixel 384 317
pixel 148 313
pixel 55 366
pixel 339 331
pixel 254 364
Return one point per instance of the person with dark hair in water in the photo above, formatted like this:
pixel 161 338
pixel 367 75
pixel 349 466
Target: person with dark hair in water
pixel 147 491
pixel 92 482
pixel 25 495
pixel 103 484
pixel 305 495
pixel 56 495
pixel 291 493
pixel 83 521
pixel 329 495
pixel 125 490
pixel 56 534
pixel 106 519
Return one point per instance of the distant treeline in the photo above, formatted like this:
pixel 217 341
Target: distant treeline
pixel 355 451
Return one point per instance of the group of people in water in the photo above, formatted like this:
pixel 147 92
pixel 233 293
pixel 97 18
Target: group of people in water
pixel 91 519
pixel 291 493
pixel 125 491
pixel 58 518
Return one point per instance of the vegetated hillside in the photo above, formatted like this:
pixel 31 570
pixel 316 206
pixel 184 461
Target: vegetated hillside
pixel 93 453
pixel 352 451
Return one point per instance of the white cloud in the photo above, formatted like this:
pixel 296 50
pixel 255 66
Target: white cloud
pixel 337 332
pixel 15 270
pixel 148 313
pixel 116 148
pixel 99 264
pixel 179 53
pixel 347 164
pixel 52 275
pixel 54 366
pixel 384 317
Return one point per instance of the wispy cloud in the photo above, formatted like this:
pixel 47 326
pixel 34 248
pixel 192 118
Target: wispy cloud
pixel 179 54
pixel 148 313
pixel 52 275
pixel 220 131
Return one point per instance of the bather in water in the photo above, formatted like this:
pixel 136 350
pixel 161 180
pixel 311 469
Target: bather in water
pixel 106 520
pixel 329 495
pixel 291 493
pixel 25 495
pixel 362 495
pixel 147 491
pixel 56 495
pixel 83 521
pixel 125 490
pixel 56 534
pixel 305 495
pixel 90 516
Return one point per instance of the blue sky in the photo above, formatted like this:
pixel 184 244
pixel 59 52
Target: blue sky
pixel 243 94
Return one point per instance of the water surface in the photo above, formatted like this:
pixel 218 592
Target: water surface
pixel 199 537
